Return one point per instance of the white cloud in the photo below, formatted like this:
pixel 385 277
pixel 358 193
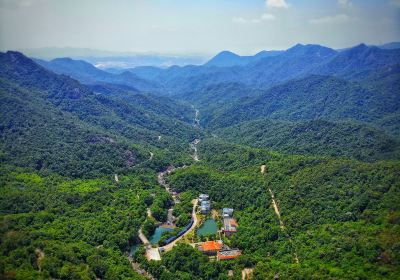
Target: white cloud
pixel 263 17
pixel 277 4
pixel 341 18
pixel 345 3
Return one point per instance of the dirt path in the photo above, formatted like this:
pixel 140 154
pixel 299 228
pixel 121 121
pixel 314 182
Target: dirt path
pixel 162 182
pixel 193 146
pixel 196 117
pixel 136 267
pixel 247 273
pixel 149 214
pixel 39 257
pixel 278 214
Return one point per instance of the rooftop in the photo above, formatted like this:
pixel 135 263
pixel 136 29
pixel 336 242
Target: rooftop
pixel 230 224
pixel 228 254
pixel 211 246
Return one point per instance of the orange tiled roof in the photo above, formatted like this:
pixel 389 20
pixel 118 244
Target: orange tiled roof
pixel 211 246
pixel 233 223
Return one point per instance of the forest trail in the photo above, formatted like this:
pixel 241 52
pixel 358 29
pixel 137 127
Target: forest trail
pixel 136 267
pixel 195 142
pixel 39 257
pixel 196 117
pixel 149 214
pixel 193 146
pixel 163 183
pixel 247 273
pixel 278 214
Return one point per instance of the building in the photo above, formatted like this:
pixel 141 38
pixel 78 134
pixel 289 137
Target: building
pixel 210 247
pixel 230 226
pixel 203 197
pixel 227 212
pixel 228 254
pixel 205 207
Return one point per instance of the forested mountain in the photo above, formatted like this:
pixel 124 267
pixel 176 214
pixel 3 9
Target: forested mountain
pixel 48 111
pixel 322 125
pixel 88 74
pixel 311 98
pixel 390 46
pixel 228 59
pixel 316 138
pixel 359 61
pixel 263 71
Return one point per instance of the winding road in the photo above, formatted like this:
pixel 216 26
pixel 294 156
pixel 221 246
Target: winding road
pixel 169 246
pixel 153 253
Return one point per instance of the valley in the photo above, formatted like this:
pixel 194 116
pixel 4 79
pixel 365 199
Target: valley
pixel 104 172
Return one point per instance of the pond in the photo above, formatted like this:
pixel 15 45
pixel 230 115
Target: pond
pixel 157 234
pixel 133 249
pixel 208 227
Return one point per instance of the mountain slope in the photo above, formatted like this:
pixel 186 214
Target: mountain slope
pixel 359 61
pixel 315 138
pixel 133 122
pixel 315 97
pixel 88 74
pixel 264 71
pixel 36 134
pixel 229 59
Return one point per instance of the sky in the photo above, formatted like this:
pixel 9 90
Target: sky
pixel 196 26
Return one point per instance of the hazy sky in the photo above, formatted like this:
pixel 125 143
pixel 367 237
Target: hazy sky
pixel 196 26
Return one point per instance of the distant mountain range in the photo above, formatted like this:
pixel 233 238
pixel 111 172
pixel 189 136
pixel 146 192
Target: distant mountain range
pixel 109 59
pixel 304 84
pixel 88 74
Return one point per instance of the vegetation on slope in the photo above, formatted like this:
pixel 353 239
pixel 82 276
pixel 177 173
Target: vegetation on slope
pixel 342 215
pixel 315 138
pixel 53 227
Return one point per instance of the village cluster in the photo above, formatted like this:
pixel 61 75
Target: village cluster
pixel 218 248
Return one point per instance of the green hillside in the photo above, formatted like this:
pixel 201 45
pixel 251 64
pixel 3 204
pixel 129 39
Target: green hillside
pixel 338 139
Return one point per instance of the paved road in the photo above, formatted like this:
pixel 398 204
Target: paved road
pixel 143 237
pixel 169 246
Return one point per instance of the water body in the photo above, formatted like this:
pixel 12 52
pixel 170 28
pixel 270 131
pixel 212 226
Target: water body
pixel 133 250
pixel 208 227
pixel 157 234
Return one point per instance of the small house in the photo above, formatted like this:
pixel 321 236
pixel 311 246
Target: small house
pixel 230 226
pixel 205 207
pixel 210 247
pixel 227 212
pixel 203 197
pixel 228 254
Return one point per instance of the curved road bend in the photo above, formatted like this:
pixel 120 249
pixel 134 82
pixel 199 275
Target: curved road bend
pixel 169 246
